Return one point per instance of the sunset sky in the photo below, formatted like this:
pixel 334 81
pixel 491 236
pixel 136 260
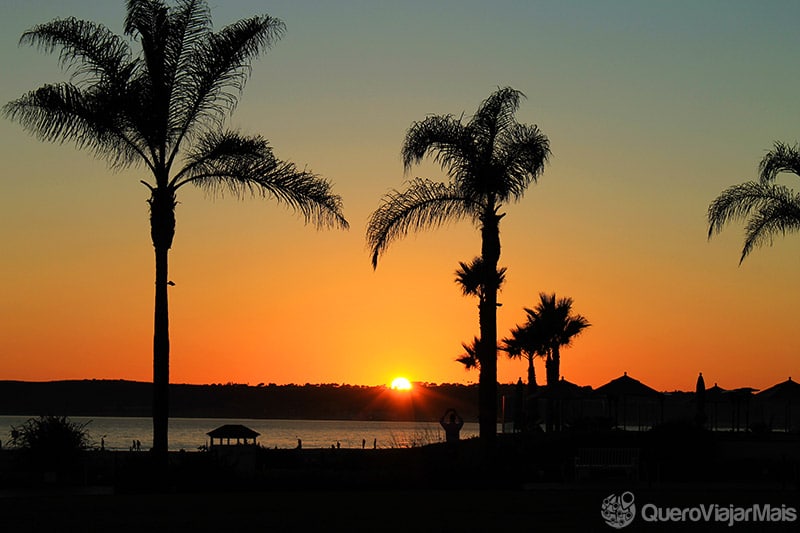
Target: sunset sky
pixel 651 109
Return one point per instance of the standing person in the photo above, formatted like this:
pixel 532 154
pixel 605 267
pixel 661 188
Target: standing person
pixel 452 427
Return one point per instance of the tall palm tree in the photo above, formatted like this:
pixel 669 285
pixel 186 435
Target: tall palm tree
pixel 490 160
pixel 554 326
pixel 157 105
pixel 770 208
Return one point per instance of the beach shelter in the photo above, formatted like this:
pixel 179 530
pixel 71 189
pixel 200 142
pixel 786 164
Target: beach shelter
pixel 630 396
pixel 740 401
pixel 232 434
pixel 715 396
pixel 564 398
pixel 783 394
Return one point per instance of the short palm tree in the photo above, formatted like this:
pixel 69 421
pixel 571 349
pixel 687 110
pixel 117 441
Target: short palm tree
pixel 469 277
pixel 164 103
pixel 470 356
pixel 491 160
pixel 553 326
pixel 770 208
pixel 526 343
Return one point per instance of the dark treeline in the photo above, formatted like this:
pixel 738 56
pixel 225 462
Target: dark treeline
pixel 426 402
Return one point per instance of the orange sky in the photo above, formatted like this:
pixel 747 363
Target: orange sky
pixel 651 112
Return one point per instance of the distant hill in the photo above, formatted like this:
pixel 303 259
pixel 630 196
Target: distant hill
pixel 318 402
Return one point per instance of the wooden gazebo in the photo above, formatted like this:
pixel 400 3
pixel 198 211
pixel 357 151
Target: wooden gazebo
pixel 232 434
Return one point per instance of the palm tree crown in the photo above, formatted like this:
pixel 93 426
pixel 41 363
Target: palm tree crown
pixel 490 160
pixel 163 105
pixel 470 277
pixel 769 208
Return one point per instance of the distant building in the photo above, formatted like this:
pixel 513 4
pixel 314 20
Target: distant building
pixel 233 434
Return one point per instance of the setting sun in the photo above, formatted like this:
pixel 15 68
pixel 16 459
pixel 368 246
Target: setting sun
pixel 401 384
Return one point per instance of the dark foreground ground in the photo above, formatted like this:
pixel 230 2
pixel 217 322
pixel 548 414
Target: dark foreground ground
pixel 563 507
pixel 531 485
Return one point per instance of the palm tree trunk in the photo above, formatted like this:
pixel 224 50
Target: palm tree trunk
pixel 162 231
pixel 556 364
pixel 531 406
pixel 161 356
pixel 532 385
pixel 487 381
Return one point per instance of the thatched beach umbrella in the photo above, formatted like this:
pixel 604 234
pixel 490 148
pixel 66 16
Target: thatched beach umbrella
pixel 740 397
pixel 716 395
pixel 621 389
pixel 561 394
pixel 784 393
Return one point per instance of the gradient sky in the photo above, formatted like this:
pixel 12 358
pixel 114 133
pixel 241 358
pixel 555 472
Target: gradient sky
pixel 651 108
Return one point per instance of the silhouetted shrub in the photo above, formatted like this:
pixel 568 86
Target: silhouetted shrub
pixel 51 439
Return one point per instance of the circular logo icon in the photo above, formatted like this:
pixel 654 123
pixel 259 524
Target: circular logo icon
pixel 618 510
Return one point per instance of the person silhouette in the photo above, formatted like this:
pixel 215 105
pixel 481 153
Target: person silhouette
pixel 452 427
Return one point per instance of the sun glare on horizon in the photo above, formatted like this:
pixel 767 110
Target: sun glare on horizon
pixel 400 383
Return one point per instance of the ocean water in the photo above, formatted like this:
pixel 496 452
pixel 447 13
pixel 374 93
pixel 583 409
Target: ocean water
pixel 190 433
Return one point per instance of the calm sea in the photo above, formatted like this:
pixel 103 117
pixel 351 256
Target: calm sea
pixel 190 433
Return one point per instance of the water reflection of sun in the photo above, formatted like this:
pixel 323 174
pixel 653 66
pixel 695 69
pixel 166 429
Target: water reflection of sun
pixel 400 383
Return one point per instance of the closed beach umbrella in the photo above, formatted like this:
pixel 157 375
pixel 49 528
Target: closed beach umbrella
pixel 700 401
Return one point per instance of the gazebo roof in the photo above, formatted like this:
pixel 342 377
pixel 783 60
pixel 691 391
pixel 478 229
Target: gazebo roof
pixel 626 386
pixel 562 390
pixel 233 431
pixel 785 390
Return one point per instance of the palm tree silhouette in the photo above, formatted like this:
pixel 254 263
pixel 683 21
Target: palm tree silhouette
pixel 164 103
pixel 490 160
pixel 470 277
pixel 526 342
pixel 470 356
pixel 770 208
pixel 551 325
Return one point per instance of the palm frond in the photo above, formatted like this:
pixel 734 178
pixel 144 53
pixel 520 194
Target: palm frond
pixel 90 51
pixel 471 277
pixel 773 209
pixel 64 113
pixel 495 115
pixel 424 204
pixel 242 166
pixel 522 153
pixel 470 358
pixel 443 137
pixel 551 323
pixel 218 68
pixel 526 341
pixel 782 158
pixel 781 215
